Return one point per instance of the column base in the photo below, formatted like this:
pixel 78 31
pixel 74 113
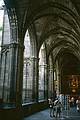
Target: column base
pixel 11 114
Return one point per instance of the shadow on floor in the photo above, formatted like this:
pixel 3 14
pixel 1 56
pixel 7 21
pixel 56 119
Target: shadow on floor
pixel 71 114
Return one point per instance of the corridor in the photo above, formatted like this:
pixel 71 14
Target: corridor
pixel 39 58
pixel 72 114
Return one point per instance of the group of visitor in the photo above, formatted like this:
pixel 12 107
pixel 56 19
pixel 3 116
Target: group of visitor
pixel 78 104
pixel 55 107
pixel 75 103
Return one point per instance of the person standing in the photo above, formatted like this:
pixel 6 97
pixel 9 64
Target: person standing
pixel 51 105
pixel 58 108
pixel 78 104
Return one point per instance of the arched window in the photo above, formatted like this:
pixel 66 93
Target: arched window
pixel 42 73
pixel 27 71
pixel 50 78
pixel 1 21
pixel 5 79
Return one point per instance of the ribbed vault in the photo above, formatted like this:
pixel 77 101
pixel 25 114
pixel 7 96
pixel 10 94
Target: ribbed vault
pixel 55 22
pixel 52 24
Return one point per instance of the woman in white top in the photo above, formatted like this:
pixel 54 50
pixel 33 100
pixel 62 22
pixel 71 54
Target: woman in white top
pixel 50 106
pixel 78 104
pixel 58 108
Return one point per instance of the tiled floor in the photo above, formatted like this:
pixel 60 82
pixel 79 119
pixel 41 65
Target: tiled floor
pixel 72 114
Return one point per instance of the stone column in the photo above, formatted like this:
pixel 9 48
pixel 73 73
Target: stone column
pixel 19 76
pixel 51 83
pixel 35 78
pixel 58 78
pixel 16 48
pixel 13 69
pixel 13 52
pixel 45 82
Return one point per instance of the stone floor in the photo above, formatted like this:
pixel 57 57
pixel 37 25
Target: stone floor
pixel 72 114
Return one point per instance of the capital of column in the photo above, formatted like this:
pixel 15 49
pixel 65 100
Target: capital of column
pixel 16 45
pixel 4 48
pixel 35 58
pixel 50 69
pixel 12 45
pixel 44 65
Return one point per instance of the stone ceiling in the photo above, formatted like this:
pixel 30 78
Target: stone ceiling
pixel 57 22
